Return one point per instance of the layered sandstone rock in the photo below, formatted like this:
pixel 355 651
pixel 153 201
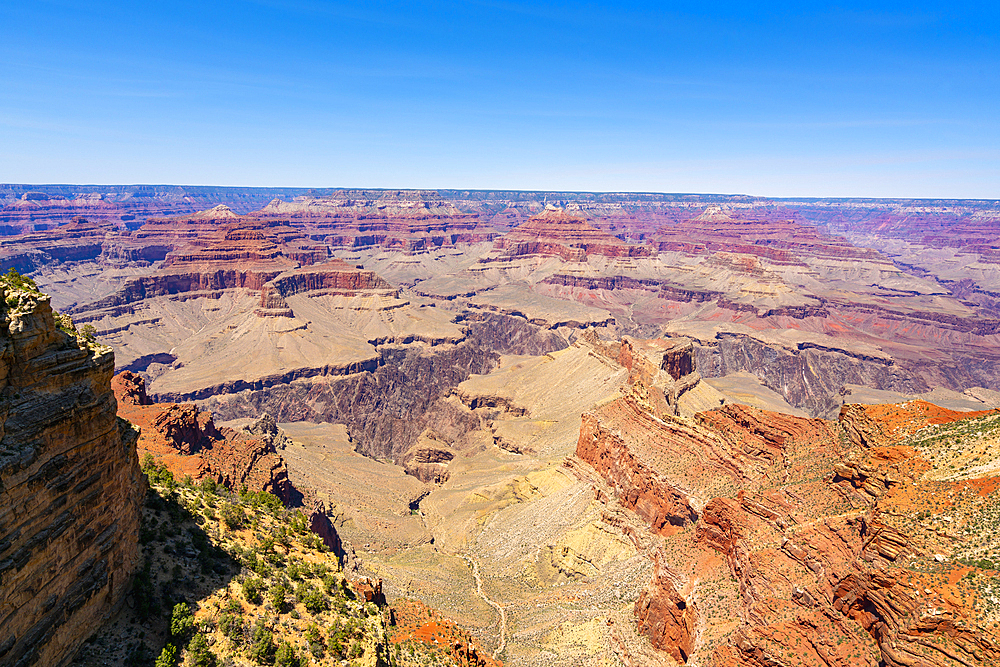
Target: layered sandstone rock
pixel 187 441
pixel 571 238
pixel 814 522
pixel 77 240
pixel 665 617
pixel 70 487
pixel 334 277
pixel 410 221
pixel 882 425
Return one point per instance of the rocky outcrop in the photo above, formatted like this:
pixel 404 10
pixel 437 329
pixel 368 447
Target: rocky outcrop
pixel 779 241
pixel 885 425
pixel 70 487
pixel 411 221
pixel 813 521
pixel 666 618
pixel 334 277
pixel 77 240
pixel 187 441
pixel 634 478
pixel 388 405
pixel 571 238
pixel 766 435
pixel 806 376
pixel 428 458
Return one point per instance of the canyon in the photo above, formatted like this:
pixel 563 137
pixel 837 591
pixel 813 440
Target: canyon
pixel 589 428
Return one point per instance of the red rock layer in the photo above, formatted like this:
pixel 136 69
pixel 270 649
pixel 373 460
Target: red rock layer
pixel 776 240
pixel 334 277
pixel 188 443
pixel 414 621
pixel 881 425
pixel 411 221
pixel 36 211
pixel 76 240
pixel 813 528
pixel 556 233
pixel 629 466
pixel 666 618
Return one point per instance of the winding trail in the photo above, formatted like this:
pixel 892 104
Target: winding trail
pixel 499 608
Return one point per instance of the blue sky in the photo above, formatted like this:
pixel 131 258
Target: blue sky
pixel 773 99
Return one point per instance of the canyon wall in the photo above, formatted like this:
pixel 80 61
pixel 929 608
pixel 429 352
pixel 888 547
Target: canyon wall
pixel 387 407
pixel 70 486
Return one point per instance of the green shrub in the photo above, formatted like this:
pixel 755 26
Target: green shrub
pixel 262 499
pixel 315 601
pixel 200 655
pixel 231 625
pixel 251 589
pixel 276 596
pixel 17 281
pixel 233 516
pixel 167 657
pixel 286 657
pixel 157 473
pixel 181 620
pixel 208 484
pixel 262 646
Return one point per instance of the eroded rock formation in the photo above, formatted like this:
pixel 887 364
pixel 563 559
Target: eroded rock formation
pixel 187 441
pixel 70 487
pixel 814 521
pixel 571 238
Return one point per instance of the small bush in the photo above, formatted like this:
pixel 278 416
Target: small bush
pixel 286 657
pixel 251 589
pixel 200 655
pixel 158 473
pixel 276 596
pixel 181 620
pixel 208 485
pixel 17 281
pixel 233 516
pixel 262 648
pixel 167 657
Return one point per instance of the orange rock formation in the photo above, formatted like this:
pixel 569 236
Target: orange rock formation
pixel 814 520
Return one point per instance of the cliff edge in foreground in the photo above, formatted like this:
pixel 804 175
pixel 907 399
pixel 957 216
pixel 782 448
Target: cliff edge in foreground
pixel 70 483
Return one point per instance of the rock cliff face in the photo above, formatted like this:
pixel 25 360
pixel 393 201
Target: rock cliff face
pixel 410 221
pixel 76 240
pixel 70 487
pixel 187 441
pixel 823 528
pixel 665 617
pixel 569 237
pixel 806 376
pixel 885 425
pixel 387 407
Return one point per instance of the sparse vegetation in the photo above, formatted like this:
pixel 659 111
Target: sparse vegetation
pixel 239 585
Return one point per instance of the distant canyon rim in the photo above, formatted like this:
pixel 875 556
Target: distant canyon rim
pixel 589 428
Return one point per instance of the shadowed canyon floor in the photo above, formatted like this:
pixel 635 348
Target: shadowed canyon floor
pixel 621 429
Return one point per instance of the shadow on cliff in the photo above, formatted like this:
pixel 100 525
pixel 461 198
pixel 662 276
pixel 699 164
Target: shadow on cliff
pixel 182 563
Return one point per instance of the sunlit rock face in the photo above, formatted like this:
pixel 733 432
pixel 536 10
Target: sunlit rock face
pixel 70 488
